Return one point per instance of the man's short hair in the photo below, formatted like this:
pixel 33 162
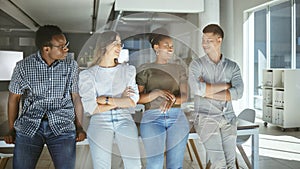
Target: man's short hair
pixel 44 35
pixel 215 29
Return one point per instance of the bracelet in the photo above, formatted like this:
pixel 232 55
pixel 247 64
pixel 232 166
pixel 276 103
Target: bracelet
pixel 106 100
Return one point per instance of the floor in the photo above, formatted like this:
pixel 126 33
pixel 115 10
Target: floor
pixel 277 149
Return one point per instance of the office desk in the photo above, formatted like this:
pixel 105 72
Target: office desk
pixel 248 128
pixel 243 128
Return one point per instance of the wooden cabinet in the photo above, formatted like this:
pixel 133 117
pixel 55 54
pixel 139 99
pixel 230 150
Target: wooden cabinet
pixel 281 97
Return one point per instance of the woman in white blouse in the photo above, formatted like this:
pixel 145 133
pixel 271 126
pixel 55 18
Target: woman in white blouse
pixel 108 91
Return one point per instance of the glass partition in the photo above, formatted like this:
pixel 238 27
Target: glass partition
pixel 260 55
pixel 280 35
pixel 297 34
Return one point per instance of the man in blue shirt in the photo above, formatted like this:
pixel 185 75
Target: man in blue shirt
pixel 215 81
pixel 46 85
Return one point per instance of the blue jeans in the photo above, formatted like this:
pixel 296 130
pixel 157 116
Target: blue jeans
pixel 164 131
pixel 28 149
pixel 111 127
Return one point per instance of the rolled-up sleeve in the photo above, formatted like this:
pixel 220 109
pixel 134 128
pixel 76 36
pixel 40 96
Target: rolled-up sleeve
pixel 132 83
pixel 196 87
pixel 237 84
pixel 16 83
pixel 87 91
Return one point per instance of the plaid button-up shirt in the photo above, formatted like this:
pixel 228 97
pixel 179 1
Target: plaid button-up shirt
pixel 45 90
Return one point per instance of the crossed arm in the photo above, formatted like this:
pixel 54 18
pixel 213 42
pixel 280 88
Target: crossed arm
pixel 223 91
pixel 107 103
pixel 170 98
pixel 217 91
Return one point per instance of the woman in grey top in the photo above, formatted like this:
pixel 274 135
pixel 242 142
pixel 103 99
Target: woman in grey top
pixel 163 87
pixel 108 91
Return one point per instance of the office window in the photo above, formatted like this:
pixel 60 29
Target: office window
pixel 260 55
pixel 280 35
pixel 272 40
pixel 297 34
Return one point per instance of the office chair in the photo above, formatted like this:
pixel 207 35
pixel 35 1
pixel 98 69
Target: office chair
pixel 248 115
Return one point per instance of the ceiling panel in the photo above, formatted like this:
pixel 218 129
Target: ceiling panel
pixel 70 15
pixel 7 22
pixel 186 6
pixel 74 16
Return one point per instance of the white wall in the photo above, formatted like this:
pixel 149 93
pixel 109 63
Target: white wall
pixel 210 15
pixel 232 20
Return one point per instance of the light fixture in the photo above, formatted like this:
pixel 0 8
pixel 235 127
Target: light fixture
pixel 94 16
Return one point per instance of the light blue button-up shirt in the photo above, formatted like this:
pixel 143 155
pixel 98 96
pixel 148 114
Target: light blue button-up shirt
pixel 225 71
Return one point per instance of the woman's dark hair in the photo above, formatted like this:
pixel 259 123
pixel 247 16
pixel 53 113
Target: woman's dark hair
pixel 44 35
pixel 215 29
pixel 157 35
pixel 103 40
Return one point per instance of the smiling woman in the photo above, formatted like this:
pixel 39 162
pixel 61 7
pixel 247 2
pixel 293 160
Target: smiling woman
pixel 163 88
pixel 108 91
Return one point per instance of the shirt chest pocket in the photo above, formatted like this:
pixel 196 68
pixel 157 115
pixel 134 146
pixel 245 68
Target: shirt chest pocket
pixel 61 83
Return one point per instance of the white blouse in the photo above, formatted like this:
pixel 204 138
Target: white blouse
pixel 98 81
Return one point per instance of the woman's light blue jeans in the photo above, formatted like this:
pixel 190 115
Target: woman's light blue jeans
pixel 164 131
pixel 108 128
pixel 28 149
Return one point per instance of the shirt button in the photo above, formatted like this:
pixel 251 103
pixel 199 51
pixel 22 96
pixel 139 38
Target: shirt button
pixel 49 79
pixel 49 91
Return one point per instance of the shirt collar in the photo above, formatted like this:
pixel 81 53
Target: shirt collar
pixel 210 61
pixel 40 59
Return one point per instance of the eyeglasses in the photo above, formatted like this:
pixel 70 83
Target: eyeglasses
pixel 62 47
pixel 118 43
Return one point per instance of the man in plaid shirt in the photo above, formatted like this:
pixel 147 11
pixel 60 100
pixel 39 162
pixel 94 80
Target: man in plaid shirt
pixel 46 84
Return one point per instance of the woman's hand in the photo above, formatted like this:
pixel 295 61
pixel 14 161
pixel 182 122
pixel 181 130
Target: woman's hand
pixel 169 99
pixel 101 100
pixel 128 92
